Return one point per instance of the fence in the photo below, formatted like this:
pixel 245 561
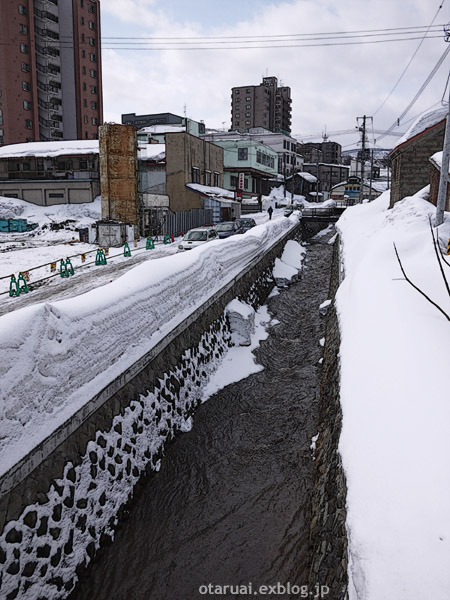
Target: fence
pixel 180 222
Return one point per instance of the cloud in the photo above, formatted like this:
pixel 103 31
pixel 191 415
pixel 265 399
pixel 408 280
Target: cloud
pixel 331 85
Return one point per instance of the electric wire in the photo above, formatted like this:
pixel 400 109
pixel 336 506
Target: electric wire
pixel 410 61
pixel 419 93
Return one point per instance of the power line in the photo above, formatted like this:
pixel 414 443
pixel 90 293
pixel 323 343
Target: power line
pixel 266 46
pixel 410 61
pixel 419 93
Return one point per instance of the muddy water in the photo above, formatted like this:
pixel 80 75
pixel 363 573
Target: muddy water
pixel 231 504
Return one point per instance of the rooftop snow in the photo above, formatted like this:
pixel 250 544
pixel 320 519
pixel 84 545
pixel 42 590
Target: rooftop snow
pixel 156 152
pixel 211 190
pixel 64 147
pixel 158 129
pixel 307 176
pixel 436 159
pixel 423 122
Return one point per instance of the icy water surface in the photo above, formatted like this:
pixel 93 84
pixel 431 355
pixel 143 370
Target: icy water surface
pixel 231 503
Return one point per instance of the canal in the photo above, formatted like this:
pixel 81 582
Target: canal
pixel 231 503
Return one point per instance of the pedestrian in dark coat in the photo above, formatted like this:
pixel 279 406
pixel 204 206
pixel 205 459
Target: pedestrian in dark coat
pixel 270 211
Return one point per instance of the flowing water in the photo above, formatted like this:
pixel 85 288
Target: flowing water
pixel 231 503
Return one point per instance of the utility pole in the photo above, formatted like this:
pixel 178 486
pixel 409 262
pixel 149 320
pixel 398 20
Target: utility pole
pixel 371 175
pixel 363 156
pixel 443 181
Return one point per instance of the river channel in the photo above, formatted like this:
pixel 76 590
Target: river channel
pixel 231 503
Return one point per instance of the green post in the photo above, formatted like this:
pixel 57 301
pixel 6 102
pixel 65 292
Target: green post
pixel 63 269
pixel 69 267
pixel 14 289
pixel 167 239
pixel 100 258
pixel 24 287
pixel 150 245
pixel 126 250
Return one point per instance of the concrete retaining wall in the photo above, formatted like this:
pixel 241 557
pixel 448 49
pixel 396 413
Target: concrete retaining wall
pixel 64 501
pixel 328 535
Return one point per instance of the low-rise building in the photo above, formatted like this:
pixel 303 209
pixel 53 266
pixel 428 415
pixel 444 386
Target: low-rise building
pixel 410 157
pixel 142 122
pixel 349 191
pixel 435 176
pixel 328 175
pixel 46 173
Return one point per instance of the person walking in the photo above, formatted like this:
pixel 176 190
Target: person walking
pixel 270 211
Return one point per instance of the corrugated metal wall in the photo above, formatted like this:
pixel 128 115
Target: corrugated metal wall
pixel 180 222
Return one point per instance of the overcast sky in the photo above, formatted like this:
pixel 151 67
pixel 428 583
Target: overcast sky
pixel 330 85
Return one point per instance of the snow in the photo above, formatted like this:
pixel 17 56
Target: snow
pixel 436 159
pixel 286 268
pixel 239 361
pixel 42 149
pixel 84 213
pixel 66 351
pixel 159 129
pixel 424 121
pixel 154 152
pixel 394 360
pixel 211 190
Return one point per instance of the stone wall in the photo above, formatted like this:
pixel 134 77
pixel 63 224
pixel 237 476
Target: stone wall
pixel 55 519
pixel 328 538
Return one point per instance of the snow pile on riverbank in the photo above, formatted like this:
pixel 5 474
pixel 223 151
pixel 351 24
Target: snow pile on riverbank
pixel 58 355
pixel 394 360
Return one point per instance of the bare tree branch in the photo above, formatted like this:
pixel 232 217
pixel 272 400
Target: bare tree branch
pixel 437 250
pixel 418 289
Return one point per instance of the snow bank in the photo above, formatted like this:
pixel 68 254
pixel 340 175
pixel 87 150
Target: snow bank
pixel 394 444
pixel 84 214
pixel 59 148
pixel 56 356
pixel 287 268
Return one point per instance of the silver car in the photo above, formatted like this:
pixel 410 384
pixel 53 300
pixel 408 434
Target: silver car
pixel 197 237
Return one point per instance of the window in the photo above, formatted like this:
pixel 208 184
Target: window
pixel 23 28
pixel 94 121
pixel 82 37
pixel 245 184
pixel 92 73
pixel 83 165
pixel 207 177
pixel 242 153
pixel 28 124
pixel 91 8
pixel 247 106
pixel 94 105
pixel 247 114
pixel 27 105
pixel 54 195
pixel 82 20
pixel 91 41
pixel 83 53
pixel 93 89
pixel 237 100
pixel 247 122
pixel 92 57
pixel 237 123
pixel 91 25
pixel 84 86
pixel 81 3
pixel 25 166
pixel 22 9
pixel 216 179
pixel 83 70
pixel 1 116
pixel 248 99
pixel 86 120
pixel 237 91
pixel 195 175
pixel 26 86
pixel 248 91
pixel 233 181
pixel 25 67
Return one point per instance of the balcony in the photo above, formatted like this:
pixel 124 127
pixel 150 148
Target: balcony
pixel 46 15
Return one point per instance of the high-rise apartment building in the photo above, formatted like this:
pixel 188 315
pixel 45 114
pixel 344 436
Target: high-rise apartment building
pixel 264 105
pixel 50 70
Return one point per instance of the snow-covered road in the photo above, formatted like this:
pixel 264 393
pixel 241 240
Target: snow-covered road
pixel 58 355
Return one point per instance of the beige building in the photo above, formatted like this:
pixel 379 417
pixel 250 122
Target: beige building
pixel 190 159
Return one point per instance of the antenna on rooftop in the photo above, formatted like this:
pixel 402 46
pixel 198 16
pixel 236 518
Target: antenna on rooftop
pixel 184 109
pixel 324 134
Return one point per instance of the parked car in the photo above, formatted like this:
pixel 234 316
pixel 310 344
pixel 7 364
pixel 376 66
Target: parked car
pixel 228 228
pixel 197 237
pixel 246 223
pixel 288 210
